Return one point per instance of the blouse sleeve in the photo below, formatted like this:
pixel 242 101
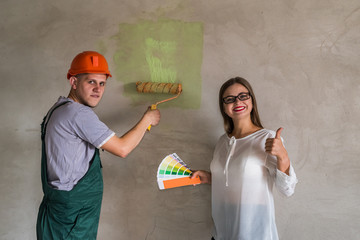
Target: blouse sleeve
pixel 286 183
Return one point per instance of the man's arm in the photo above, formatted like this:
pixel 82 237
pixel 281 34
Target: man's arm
pixel 122 146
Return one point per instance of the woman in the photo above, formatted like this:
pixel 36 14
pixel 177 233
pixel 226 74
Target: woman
pixel 248 160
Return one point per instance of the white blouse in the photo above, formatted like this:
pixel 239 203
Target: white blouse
pixel 243 175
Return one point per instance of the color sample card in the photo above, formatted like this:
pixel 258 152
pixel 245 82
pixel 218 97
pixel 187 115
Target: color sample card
pixel 173 172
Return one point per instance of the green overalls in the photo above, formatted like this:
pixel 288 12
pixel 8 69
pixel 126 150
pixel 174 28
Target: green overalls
pixel 70 214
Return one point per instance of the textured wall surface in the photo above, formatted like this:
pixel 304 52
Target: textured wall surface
pixel 302 58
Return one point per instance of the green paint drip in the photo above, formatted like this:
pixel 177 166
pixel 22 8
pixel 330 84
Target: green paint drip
pixel 160 51
pixel 158 72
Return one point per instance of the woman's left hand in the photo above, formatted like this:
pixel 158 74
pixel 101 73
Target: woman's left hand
pixel 275 147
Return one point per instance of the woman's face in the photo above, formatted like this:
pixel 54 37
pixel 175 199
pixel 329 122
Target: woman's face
pixel 239 109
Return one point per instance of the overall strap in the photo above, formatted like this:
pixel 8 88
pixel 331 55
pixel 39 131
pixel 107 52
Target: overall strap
pixel 43 151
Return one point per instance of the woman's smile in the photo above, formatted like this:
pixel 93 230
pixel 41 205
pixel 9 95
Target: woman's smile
pixel 239 109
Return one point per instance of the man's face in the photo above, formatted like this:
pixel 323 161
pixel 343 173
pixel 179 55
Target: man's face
pixel 88 88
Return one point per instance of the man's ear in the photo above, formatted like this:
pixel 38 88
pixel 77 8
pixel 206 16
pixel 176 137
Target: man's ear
pixel 73 82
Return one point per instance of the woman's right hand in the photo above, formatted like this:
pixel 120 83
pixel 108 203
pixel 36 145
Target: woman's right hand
pixel 205 176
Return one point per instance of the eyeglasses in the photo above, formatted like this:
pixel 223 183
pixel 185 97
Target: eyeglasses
pixel 231 99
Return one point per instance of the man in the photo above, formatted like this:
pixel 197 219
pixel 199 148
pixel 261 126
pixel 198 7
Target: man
pixel 72 135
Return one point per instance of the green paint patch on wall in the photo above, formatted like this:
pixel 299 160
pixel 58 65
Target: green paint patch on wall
pixel 160 51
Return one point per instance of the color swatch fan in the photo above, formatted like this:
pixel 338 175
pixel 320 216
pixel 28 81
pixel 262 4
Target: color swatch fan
pixel 173 172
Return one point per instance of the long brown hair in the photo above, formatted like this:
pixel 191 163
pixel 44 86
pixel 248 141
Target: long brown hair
pixel 254 115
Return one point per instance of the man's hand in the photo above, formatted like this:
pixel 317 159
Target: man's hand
pixel 152 116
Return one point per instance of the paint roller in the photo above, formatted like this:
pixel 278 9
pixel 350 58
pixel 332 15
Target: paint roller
pixel 154 87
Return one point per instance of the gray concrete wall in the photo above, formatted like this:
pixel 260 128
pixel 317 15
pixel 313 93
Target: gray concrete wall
pixel 302 58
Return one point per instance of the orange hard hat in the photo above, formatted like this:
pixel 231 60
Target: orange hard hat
pixel 89 62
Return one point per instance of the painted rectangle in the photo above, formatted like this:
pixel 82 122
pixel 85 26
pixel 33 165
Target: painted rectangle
pixel 165 51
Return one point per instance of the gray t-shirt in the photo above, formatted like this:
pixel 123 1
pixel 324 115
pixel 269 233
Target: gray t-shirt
pixel 72 134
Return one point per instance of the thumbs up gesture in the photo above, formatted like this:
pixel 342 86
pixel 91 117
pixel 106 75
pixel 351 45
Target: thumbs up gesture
pixel 275 147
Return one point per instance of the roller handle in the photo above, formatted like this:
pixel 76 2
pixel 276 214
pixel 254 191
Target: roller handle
pixel 153 107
